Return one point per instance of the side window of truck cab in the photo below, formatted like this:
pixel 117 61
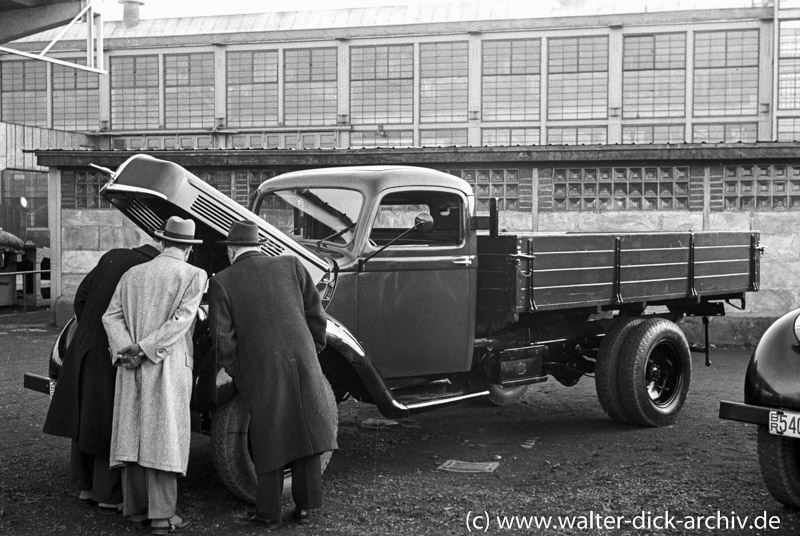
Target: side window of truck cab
pixel 398 211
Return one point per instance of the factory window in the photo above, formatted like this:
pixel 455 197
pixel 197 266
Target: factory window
pixel 789 66
pixel 788 128
pixel 726 73
pixel 23 93
pixel 443 137
pixel 310 87
pixel 653 133
pixel 761 188
pixel 577 135
pixel 620 188
pixel 134 92
pixel 511 79
pixel 80 189
pixel 578 78
pixel 252 88
pixel 725 133
pixel 32 185
pixel 75 97
pixel 500 184
pixel 382 84
pixel 383 138
pixel 654 76
pixel 189 90
pixel 509 136
pixel 444 82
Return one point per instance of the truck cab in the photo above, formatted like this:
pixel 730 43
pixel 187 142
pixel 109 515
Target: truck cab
pixel 405 291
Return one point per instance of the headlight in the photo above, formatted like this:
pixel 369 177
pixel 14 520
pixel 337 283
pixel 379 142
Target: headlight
pixel 797 328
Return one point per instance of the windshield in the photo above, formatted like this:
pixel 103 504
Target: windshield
pixel 318 214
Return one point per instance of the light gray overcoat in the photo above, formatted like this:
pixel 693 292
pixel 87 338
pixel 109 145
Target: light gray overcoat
pixel 154 305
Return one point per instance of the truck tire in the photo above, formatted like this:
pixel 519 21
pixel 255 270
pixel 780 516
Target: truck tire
pixel 231 451
pixel 505 396
pixel 779 460
pixel 606 371
pixel 655 370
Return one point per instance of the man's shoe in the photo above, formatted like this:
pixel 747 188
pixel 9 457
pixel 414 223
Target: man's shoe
pixel 163 530
pixel 265 522
pixel 302 516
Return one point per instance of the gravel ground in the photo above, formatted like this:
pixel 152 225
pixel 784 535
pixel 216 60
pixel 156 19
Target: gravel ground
pixel 558 455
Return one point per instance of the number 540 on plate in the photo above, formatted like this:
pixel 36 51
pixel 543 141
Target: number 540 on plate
pixel 784 424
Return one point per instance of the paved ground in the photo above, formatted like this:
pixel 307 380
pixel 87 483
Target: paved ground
pixel 558 455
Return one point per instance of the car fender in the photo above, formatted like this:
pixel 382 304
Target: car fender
pixel 773 373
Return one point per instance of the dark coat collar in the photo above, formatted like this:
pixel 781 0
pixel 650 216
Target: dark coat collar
pixel 148 250
pixel 247 255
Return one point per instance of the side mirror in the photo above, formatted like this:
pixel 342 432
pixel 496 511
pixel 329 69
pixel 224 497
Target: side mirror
pixel 423 222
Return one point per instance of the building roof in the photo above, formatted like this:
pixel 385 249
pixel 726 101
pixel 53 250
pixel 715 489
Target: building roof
pixel 356 18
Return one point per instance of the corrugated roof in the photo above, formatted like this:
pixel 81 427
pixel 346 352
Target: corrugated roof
pixel 382 16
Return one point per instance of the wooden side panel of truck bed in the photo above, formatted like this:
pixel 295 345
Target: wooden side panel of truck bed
pixel 539 272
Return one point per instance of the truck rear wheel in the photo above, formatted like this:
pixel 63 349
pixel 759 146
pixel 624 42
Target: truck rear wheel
pixel 655 370
pixel 233 460
pixel 606 371
pixel 779 460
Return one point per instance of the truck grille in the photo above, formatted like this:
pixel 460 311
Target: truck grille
pixel 143 216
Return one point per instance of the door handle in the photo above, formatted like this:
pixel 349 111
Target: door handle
pixel 466 261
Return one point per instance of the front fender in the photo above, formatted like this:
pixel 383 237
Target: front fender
pixel 773 373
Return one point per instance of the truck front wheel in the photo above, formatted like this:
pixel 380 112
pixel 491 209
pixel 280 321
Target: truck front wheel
pixel 655 370
pixel 233 460
pixel 779 460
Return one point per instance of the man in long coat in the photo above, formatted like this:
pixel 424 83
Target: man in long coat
pixel 149 324
pixel 83 402
pixel 268 325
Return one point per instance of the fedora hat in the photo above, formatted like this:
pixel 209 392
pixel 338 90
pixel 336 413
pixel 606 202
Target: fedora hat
pixel 243 233
pixel 178 230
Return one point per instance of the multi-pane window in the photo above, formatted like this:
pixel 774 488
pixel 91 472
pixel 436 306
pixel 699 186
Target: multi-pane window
pixel 387 138
pixel 578 78
pixel 761 187
pixel 252 88
pixel 32 185
pixel 726 73
pixel 509 136
pixel 443 82
pixel 382 84
pixel 511 80
pixel 443 137
pixel 652 133
pixel 620 188
pixel 310 87
pixel 577 135
pixel 134 92
pixel 789 66
pixel 788 128
pixel 189 90
pixel 500 184
pixel 23 93
pixel 654 76
pixel 76 97
pixel 725 132
pixel 81 189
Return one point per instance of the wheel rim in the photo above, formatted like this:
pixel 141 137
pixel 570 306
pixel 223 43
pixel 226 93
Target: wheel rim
pixel 663 375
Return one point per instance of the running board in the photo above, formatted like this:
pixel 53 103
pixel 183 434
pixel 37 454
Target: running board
pixel 419 406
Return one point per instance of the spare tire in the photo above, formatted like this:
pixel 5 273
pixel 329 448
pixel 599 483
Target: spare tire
pixel 230 425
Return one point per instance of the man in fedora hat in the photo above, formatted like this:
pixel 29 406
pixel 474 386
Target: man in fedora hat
pixel 83 402
pixel 268 325
pixel 149 324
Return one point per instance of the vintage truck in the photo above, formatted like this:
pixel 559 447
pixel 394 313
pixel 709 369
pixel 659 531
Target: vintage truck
pixel 426 308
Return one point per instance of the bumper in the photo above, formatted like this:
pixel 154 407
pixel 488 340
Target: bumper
pixel 39 383
pixel 736 411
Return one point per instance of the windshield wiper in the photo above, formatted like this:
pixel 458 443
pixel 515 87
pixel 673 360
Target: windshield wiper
pixel 336 235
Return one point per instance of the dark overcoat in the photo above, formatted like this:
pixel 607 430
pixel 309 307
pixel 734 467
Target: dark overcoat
pixel 267 323
pixel 83 401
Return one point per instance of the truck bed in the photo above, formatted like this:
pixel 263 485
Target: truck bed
pixel 527 273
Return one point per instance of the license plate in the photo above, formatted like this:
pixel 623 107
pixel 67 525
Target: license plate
pixel 784 424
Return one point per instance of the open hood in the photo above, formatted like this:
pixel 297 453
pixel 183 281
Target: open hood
pixel 149 191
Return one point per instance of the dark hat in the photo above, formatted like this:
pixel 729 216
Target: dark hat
pixel 243 233
pixel 178 230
